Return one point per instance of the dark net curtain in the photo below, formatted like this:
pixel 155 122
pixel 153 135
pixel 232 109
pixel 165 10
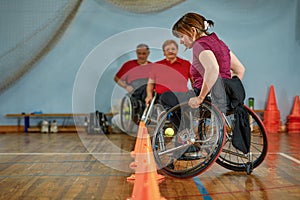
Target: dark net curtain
pixel 29 30
pixel 144 6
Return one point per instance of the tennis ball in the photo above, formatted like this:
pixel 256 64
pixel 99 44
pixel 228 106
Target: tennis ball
pixel 169 132
pixel 127 117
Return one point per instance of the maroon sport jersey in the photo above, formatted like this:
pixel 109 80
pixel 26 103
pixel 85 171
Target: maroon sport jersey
pixel 170 76
pixel 221 52
pixel 132 70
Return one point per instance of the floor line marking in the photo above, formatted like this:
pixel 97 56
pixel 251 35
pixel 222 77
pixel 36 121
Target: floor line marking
pixel 50 154
pixel 201 188
pixel 289 157
pixel 61 175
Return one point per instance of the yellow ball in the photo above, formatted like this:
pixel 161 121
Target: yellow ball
pixel 169 132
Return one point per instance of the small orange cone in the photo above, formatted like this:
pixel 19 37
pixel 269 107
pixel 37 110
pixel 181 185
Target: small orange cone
pixel 145 178
pixel 272 115
pixel 296 107
pixel 137 147
pixel 142 132
pixel 293 120
pixel 272 104
pixel 139 138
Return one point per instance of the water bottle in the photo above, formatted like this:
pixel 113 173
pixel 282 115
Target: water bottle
pixel 251 102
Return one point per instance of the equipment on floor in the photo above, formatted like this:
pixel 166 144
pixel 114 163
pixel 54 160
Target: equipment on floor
pixel 97 123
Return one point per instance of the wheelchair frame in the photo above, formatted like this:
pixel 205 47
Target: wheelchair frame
pixel 219 142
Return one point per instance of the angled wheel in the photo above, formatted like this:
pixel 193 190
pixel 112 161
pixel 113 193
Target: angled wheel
pixel 233 159
pixel 126 114
pixel 187 141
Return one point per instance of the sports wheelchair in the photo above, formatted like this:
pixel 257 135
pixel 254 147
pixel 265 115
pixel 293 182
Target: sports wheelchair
pixel 204 135
pixel 133 110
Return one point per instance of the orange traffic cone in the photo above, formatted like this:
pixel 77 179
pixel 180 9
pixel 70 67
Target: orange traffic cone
pixel 293 120
pixel 272 105
pixel 142 133
pixel 139 138
pixel 145 183
pixel 272 115
pixel 296 107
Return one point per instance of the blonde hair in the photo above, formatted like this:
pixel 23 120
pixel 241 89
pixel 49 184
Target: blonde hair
pixel 167 42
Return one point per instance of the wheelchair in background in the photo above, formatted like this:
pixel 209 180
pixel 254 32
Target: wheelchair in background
pixel 130 112
pixel 133 110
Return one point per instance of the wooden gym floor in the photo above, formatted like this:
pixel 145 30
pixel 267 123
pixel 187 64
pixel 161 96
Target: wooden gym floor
pixel 79 166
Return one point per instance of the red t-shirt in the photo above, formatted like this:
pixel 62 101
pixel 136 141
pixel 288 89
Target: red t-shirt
pixel 221 52
pixel 132 70
pixel 170 76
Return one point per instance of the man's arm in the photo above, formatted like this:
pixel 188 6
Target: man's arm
pixel 150 89
pixel 123 84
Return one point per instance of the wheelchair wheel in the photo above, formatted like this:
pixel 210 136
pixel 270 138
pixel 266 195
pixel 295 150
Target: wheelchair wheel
pixel 187 141
pixel 127 114
pixel 233 159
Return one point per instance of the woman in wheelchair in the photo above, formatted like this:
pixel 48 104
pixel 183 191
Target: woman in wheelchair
pixel 203 133
pixel 212 60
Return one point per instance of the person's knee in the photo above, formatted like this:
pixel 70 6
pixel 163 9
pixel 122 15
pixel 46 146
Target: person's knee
pixel 169 99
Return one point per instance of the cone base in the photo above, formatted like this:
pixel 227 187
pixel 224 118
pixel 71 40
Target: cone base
pixel 273 129
pixel 294 131
pixel 145 177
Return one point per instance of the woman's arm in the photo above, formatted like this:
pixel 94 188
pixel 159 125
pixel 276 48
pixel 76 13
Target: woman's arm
pixel 211 74
pixel 236 67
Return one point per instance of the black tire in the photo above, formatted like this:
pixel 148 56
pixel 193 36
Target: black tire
pixel 205 124
pixel 235 160
pixel 126 114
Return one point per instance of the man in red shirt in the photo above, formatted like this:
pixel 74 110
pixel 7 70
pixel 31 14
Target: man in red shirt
pixel 133 75
pixel 169 77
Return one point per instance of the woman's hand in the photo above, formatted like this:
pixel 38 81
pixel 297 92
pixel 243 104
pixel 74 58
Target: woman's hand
pixel 195 102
